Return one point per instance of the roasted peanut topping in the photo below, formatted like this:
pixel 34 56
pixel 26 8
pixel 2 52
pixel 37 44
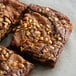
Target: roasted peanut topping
pixel 4 21
pixel 4 54
pixel 20 65
pixel 36 34
pixel 4 25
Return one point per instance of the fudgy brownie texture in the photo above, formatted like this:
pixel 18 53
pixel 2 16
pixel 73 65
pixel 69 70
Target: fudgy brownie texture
pixel 42 34
pixel 10 10
pixel 12 64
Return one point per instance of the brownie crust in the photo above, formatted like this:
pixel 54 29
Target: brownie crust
pixel 42 34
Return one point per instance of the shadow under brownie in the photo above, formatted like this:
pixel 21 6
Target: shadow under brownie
pixel 41 34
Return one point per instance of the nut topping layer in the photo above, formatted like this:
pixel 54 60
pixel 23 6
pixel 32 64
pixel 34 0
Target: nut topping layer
pixel 37 34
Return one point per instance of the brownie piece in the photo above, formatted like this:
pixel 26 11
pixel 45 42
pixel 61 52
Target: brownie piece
pixel 10 10
pixel 12 64
pixel 42 34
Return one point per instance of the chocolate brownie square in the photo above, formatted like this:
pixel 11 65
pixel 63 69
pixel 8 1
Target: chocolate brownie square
pixel 42 34
pixel 10 10
pixel 12 64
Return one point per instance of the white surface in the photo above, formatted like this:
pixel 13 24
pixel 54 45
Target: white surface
pixel 66 65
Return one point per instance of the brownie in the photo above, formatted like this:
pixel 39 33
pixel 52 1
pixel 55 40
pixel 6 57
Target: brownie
pixel 10 11
pixel 12 64
pixel 41 34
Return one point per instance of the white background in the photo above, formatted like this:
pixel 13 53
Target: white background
pixel 66 65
